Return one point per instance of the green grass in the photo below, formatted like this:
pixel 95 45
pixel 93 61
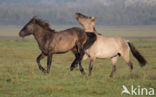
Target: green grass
pixel 20 76
pixel 127 31
pixel 9 31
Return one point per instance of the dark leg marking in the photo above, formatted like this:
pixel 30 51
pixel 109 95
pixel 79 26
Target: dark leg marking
pixel 41 56
pixel 91 66
pixel 81 69
pixel 113 70
pixel 77 60
pixel 130 65
pixel 49 61
pixel 114 62
pixel 91 39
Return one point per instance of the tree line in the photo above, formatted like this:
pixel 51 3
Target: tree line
pixel 114 14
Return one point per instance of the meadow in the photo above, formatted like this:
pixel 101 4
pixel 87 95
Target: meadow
pixel 20 76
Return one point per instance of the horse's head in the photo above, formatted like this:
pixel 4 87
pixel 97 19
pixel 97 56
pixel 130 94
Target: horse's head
pixel 87 22
pixel 28 29
pixel 32 26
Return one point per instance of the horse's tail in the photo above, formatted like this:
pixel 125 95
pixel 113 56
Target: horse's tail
pixel 90 40
pixel 137 55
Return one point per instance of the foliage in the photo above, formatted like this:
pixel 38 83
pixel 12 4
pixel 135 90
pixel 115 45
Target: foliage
pixel 109 12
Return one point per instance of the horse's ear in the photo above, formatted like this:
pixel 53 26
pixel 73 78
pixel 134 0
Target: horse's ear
pixel 34 17
pixel 93 18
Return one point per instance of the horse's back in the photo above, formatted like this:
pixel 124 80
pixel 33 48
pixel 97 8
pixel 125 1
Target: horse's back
pixel 106 47
pixel 113 40
pixel 116 43
pixel 72 30
pixel 66 39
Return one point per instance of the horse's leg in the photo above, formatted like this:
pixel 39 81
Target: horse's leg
pixel 75 52
pixel 81 47
pixel 114 62
pixel 41 56
pixel 79 55
pixel 127 59
pixel 77 60
pixel 91 66
pixel 49 60
pixel 130 66
pixel 81 69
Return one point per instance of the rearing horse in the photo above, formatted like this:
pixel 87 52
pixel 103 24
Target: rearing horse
pixel 51 42
pixel 108 47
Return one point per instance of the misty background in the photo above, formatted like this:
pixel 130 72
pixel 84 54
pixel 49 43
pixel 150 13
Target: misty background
pixel 61 12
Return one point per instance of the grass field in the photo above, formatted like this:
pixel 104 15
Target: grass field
pixel 127 31
pixel 20 76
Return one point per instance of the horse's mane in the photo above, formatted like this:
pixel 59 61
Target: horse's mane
pixel 83 16
pixel 44 24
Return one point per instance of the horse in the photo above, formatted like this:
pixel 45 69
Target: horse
pixel 108 47
pixel 51 42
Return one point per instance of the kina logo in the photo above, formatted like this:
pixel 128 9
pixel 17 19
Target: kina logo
pixel 137 90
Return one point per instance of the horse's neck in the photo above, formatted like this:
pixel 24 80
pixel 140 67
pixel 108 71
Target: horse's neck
pixel 88 30
pixel 41 36
pixel 91 30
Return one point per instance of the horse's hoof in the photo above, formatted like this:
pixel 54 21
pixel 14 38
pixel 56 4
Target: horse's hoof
pixel 48 72
pixel 45 72
pixel 111 76
pixel 83 73
pixel 71 68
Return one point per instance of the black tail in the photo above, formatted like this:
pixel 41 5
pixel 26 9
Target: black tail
pixel 137 55
pixel 91 39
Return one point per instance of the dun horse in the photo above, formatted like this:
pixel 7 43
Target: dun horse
pixel 108 47
pixel 51 42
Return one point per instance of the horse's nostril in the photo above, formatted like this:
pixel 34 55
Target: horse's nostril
pixel 19 34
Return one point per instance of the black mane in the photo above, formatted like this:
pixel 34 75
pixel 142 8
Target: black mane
pixel 43 24
pixel 81 15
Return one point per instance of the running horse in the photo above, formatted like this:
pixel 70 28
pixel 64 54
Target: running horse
pixel 108 47
pixel 51 42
